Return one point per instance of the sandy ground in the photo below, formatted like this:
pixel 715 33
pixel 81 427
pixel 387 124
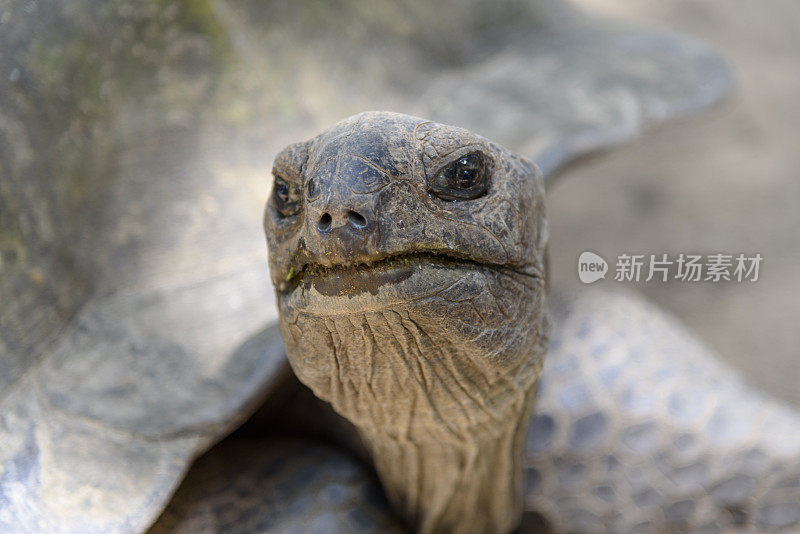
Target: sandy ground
pixel 724 181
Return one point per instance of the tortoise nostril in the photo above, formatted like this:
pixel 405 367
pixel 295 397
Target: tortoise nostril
pixel 324 222
pixel 356 219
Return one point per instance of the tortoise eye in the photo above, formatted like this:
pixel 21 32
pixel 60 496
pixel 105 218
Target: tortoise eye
pixel 287 197
pixel 463 179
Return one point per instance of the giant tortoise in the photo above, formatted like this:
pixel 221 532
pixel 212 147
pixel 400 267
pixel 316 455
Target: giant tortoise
pixel 133 282
pixel 409 260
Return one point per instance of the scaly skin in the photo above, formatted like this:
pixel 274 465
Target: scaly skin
pixel 277 485
pixel 638 429
pixel 418 317
pixel 641 429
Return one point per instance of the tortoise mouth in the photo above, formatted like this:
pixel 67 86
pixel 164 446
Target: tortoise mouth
pixel 347 280
pixel 391 281
pixel 379 285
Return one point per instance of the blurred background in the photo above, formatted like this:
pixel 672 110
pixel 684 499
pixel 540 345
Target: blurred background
pixel 727 181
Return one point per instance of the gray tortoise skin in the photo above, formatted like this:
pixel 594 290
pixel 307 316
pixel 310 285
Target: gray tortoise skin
pixel 640 428
pixel 279 485
pixel 637 429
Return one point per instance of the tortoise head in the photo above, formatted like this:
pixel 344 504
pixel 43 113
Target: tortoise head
pixel 389 235
pixel 408 260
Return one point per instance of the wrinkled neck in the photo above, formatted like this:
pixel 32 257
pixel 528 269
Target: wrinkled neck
pixel 468 485
pixel 444 426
